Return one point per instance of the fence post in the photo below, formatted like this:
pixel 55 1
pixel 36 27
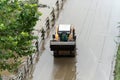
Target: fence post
pixel 57 8
pixel 53 17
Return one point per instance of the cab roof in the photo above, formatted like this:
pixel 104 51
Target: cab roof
pixel 64 27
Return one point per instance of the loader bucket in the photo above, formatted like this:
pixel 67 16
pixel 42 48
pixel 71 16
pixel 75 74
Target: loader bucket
pixel 61 45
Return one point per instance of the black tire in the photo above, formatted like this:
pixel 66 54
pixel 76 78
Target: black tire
pixel 53 36
pixel 74 38
pixel 56 54
pixel 72 53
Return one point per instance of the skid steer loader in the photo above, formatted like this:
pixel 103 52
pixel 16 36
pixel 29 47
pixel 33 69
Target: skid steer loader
pixel 64 41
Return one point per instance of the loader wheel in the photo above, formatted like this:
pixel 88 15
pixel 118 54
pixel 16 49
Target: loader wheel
pixel 72 53
pixel 53 36
pixel 74 38
pixel 56 54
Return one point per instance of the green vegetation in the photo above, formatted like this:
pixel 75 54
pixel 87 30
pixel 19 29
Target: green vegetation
pixel 117 66
pixel 17 20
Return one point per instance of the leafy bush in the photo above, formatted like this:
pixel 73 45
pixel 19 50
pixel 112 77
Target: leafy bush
pixel 17 20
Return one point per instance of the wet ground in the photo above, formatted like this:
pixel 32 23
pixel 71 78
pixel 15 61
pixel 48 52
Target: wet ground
pixel 50 68
pixel 95 22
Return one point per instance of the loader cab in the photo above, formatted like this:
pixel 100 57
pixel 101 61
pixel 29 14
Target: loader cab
pixel 64 31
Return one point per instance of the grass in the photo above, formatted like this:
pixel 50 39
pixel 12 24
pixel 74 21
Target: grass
pixel 117 66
